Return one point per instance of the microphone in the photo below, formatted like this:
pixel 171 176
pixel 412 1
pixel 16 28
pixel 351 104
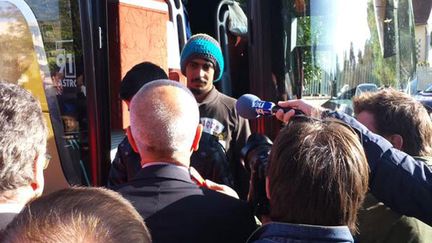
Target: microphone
pixel 250 106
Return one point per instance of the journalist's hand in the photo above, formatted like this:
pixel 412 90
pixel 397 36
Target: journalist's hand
pixel 221 188
pixel 306 108
pixel 200 181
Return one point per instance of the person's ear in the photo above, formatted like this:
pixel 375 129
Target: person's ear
pixel 38 181
pixel 267 187
pixel 195 143
pixel 127 102
pixel 131 139
pixel 396 140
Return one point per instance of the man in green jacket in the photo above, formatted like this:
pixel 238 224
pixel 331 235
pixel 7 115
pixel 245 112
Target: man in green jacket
pixel 405 123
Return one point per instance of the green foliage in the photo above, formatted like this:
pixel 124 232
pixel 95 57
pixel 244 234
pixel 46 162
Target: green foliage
pixel 16 46
pixel 383 70
pixel 307 37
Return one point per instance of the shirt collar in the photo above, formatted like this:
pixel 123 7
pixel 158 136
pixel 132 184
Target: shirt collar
pixel 165 163
pixel 303 231
pixel 163 170
pixel 11 207
pixel 211 96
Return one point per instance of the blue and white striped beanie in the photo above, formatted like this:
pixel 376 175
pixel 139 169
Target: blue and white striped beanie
pixel 205 47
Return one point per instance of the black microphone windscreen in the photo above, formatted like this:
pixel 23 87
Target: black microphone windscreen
pixel 245 107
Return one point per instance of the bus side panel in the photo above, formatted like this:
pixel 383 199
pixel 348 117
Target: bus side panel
pixel 138 32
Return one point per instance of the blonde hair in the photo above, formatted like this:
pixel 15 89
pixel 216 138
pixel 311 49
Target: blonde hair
pixel 78 215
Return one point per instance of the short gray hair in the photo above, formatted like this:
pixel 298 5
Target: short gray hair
pixel 164 118
pixel 23 135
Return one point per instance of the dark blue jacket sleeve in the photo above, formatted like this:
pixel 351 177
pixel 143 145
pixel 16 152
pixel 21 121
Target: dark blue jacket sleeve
pixel 118 172
pixel 397 179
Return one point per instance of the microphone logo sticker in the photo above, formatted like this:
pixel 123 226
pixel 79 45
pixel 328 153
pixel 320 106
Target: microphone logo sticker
pixel 263 108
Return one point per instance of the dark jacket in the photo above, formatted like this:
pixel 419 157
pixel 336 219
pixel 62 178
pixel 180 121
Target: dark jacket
pixel 210 160
pixel 125 165
pixel 219 117
pixel 278 232
pixel 177 210
pixel 5 219
pixel 396 179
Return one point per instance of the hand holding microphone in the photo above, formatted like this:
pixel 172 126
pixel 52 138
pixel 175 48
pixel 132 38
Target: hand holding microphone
pixel 306 108
pixel 250 107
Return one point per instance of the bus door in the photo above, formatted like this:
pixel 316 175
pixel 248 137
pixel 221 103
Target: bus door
pixel 144 30
pixel 231 33
pixel 42 49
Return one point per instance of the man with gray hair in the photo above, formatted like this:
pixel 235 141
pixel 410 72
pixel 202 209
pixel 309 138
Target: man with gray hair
pixel 165 130
pixel 23 135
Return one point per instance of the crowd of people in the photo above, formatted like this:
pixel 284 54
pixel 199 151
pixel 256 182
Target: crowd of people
pixel 330 177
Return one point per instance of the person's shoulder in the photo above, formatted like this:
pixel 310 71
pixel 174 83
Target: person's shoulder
pixel 238 212
pixel 5 219
pixel 424 159
pixel 227 100
pixel 409 229
pixel 122 188
pixel 124 145
pixel 224 200
pixel 377 222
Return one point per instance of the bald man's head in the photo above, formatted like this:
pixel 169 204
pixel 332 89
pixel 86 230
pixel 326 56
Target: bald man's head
pixel 164 120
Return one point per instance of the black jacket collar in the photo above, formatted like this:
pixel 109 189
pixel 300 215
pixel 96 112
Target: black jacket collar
pixel 171 172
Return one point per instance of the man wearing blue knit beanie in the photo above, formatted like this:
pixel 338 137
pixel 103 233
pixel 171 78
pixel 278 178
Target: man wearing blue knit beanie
pixel 202 63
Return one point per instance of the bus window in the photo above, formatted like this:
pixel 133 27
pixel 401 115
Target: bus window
pixel 339 45
pixel 40 49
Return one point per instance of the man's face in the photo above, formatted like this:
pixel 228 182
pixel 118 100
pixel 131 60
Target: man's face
pixel 200 75
pixel 368 120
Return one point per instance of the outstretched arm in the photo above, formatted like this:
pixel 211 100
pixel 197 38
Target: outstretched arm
pixel 397 179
